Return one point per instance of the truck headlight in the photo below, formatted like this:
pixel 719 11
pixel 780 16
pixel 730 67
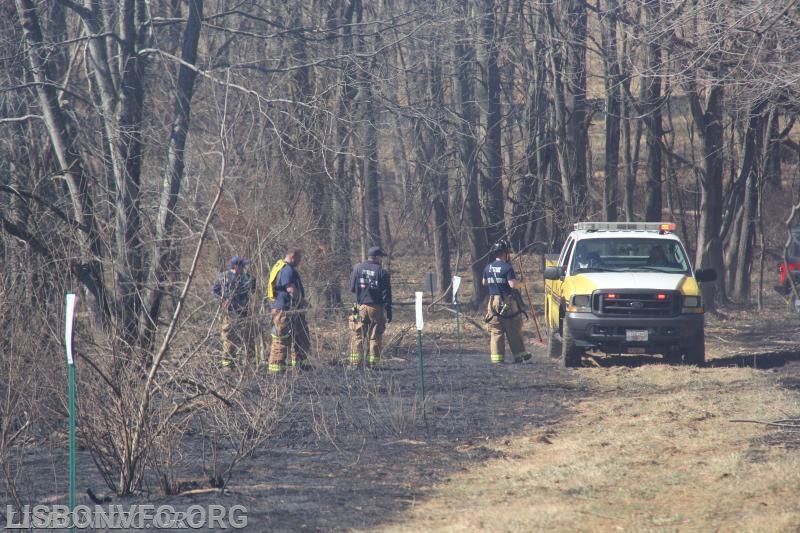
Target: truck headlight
pixel 580 303
pixel 692 304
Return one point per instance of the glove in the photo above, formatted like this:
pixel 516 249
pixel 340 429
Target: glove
pixel 388 315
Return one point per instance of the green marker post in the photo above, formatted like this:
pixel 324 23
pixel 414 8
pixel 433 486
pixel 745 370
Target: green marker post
pixel 458 333
pixel 421 366
pixel 70 315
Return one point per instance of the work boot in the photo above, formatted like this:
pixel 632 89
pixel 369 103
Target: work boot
pixel 355 359
pixel 300 364
pixel 276 368
pixel 520 357
pixel 227 362
pixel 373 362
pixel 497 358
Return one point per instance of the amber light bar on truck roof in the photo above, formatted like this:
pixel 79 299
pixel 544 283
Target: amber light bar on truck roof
pixel 660 227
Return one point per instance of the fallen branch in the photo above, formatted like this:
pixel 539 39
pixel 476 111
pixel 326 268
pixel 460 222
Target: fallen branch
pixel 192 492
pixel 467 319
pixel 786 424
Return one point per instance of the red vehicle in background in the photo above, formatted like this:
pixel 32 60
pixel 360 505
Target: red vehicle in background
pixel 793 262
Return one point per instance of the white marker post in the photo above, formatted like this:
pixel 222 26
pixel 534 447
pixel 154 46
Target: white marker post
pixel 420 323
pixel 456 285
pixel 70 317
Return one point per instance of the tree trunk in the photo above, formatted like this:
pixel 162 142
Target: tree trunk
pixel 440 198
pixel 751 169
pixel 126 150
pixel 372 192
pixel 578 124
pixel 652 117
pixel 88 269
pixel 709 244
pixel 343 181
pixel 526 210
pixel 775 145
pixel 628 164
pixel 166 259
pixel 370 177
pixel 568 72
pixel 468 151
pixel 613 111
pixel 492 189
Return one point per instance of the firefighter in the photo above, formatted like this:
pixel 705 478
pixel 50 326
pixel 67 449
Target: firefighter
pixel 372 287
pixel 233 289
pixel 657 256
pixel 289 326
pixel 504 311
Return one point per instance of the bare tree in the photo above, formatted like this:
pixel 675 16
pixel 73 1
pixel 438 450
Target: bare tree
pixel 166 261
pixel 492 183
pixel 614 92
pixel 651 105
pixel 567 62
pixel 464 58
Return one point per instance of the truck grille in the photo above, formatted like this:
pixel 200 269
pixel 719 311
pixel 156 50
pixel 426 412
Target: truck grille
pixel 636 304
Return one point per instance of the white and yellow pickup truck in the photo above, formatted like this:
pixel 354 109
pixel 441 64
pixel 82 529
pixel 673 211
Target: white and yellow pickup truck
pixel 624 288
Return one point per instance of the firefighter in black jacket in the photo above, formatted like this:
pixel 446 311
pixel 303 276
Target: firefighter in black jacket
pixel 504 313
pixel 372 287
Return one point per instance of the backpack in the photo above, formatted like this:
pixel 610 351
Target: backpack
pixel 273 278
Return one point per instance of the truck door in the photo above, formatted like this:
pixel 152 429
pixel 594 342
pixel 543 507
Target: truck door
pixel 553 287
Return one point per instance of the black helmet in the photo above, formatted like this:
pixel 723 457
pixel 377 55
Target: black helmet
pixel 501 246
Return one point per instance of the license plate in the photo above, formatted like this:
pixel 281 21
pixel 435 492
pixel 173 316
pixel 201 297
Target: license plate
pixel 636 335
pixel 635 349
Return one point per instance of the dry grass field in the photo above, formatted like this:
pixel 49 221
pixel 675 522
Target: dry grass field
pixel 650 448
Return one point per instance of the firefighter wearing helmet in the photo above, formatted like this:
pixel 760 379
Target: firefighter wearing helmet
pixel 371 285
pixel 504 312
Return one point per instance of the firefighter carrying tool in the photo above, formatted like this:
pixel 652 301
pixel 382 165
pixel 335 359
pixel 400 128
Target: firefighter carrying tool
pixel 505 310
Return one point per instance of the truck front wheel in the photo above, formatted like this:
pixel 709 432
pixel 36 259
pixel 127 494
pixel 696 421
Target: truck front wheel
pixel 696 352
pixel 572 354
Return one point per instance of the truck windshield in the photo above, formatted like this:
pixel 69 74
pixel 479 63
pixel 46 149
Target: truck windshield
pixel 629 255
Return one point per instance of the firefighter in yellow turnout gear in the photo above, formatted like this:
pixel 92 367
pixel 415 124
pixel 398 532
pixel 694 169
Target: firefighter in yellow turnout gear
pixel 504 312
pixel 289 326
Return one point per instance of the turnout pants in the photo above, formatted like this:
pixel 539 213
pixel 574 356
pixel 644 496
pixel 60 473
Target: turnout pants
pixel 289 339
pixel 505 326
pixel 235 336
pixel 368 325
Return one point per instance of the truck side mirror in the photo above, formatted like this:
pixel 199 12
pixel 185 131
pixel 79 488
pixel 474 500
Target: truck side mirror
pixel 553 273
pixel 705 274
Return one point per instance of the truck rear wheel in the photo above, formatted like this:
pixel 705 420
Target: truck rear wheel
pixel 696 352
pixel 572 354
